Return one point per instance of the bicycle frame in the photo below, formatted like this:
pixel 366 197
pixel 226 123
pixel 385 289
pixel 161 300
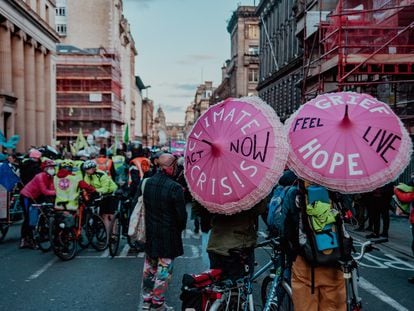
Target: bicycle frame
pixel 350 271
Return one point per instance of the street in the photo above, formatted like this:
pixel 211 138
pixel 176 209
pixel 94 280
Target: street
pixel 32 280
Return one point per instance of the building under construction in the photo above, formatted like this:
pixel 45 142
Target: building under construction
pixel 88 92
pixel 363 46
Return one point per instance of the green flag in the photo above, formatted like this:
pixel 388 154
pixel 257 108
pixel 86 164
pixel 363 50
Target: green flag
pixel 115 145
pixel 80 141
pixel 126 134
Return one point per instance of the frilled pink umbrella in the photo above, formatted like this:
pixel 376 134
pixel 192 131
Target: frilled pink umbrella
pixel 348 142
pixel 235 154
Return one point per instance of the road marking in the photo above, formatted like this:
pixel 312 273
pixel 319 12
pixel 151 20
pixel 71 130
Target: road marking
pixel 41 270
pixel 371 288
pixel 125 251
pixel 105 253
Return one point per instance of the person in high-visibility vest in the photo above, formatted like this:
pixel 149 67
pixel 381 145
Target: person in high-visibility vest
pixel 68 186
pixel 105 186
pixel 104 163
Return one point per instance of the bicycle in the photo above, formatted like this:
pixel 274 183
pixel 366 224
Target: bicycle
pixel 351 275
pixel 66 229
pixel 41 230
pixel 239 295
pixel 93 226
pixel 119 223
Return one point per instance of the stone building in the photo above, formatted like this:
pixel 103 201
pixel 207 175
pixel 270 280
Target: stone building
pixel 280 57
pixel 202 98
pixel 240 74
pixel 160 129
pixel 148 122
pixel 27 71
pixel 100 25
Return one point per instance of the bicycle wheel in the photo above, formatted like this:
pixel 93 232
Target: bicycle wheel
pixel 3 231
pixel 99 240
pixel 282 301
pixel 115 235
pixel 63 242
pixel 42 234
pixel 234 303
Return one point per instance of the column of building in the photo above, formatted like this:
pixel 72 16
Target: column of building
pixel 49 113
pixel 18 39
pixel 30 93
pixel 40 95
pixel 5 66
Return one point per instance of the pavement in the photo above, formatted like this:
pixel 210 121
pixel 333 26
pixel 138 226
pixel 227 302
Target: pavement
pixel 399 235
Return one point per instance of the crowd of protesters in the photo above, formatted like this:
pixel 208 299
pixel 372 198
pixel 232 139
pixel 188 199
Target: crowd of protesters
pixel 126 168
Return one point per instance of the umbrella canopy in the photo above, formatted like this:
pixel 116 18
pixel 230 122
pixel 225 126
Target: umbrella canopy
pixel 348 142
pixel 235 154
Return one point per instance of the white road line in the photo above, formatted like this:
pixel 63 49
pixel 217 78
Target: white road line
pixel 105 253
pixel 141 255
pixel 41 270
pixel 124 251
pixel 371 288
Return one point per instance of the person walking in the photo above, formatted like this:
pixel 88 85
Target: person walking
pixel 165 219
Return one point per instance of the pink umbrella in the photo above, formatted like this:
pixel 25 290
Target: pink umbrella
pixel 235 154
pixel 348 142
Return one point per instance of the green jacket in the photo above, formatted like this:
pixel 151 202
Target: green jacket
pixel 101 181
pixel 235 231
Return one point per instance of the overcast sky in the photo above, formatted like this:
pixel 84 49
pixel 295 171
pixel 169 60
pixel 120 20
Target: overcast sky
pixel 180 44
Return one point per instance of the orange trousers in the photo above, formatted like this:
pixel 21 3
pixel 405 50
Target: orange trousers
pixel 329 291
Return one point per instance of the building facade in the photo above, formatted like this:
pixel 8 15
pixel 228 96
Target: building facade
pixel 280 57
pixel 27 71
pixel 88 88
pixel 241 72
pixel 376 57
pixel 202 98
pixel 108 30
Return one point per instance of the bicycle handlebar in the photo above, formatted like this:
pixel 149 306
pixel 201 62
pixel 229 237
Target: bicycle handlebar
pixel 368 246
pixel 272 241
pixel 40 205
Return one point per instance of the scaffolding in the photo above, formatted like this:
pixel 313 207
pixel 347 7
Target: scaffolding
pixel 364 46
pixel 88 94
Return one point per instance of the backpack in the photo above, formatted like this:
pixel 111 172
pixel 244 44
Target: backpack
pixel 322 236
pixel 275 221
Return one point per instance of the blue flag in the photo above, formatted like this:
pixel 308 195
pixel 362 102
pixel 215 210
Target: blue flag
pixel 8 179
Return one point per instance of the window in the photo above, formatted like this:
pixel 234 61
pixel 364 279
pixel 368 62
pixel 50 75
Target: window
pixel 252 31
pixel 253 75
pixel 253 50
pixel 61 11
pixel 61 29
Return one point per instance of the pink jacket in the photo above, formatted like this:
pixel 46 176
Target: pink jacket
pixel 41 184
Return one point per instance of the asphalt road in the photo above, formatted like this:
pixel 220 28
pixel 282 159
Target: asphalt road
pixel 32 280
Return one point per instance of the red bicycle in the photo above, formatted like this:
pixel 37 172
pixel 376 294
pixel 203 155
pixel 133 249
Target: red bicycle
pixel 82 227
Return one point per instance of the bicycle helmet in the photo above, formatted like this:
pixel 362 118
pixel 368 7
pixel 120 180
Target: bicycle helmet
pixel 67 164
pixel 88 164
pixel 47 163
